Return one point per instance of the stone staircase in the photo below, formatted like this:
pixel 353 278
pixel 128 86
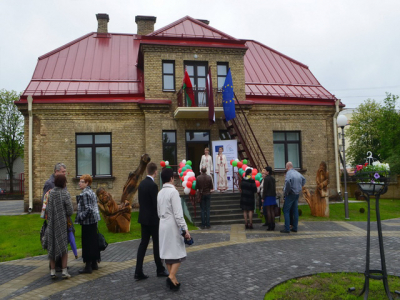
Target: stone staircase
pixel 224 210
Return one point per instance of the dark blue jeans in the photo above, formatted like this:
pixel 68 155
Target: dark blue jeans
pixel 205 210
pixel 291 205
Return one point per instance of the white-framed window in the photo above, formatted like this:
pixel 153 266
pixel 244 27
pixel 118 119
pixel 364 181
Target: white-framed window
pixel 287 147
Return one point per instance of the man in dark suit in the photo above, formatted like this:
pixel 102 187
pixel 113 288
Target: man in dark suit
pixel 148 218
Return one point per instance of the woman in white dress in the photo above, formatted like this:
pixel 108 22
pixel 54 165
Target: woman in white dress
pixel 172 224
pixel 206 162
pixel 221 168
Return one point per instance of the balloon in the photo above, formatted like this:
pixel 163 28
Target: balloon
pixel 253 176
pixel 188 167
pixel 231 162
pixel 189 184
pixel 168 167
pixel 181 165
pixel 244 167
pixel 241 172
pixel 254 171
pixel 189 162
pixel 234 163
pixel 180 170
pixel 186 191
pixel 167 163
pixel 191 178
pixel 190 173
pixel 245 161
pixel 192 192
pixel 194 185
pixel 257 183
pixel 184 184
pixel 181 174
pixel 184 161
pixel 239 164
pixel 244 174
pixel 237 159
pixel 162 163
pixel 186 177
pixel 258 177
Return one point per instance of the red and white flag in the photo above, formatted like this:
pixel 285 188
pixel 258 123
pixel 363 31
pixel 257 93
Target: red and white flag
pixel 210 96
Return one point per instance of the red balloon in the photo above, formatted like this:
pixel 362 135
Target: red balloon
pixel 254 172
pixel 189 184
pixel 240 164
pixel 244 167
pixel 181 165
pixel 162 163
pixel 257 183
pixel 192 192
pixel 180 170
pixel 244 174
pixel 253 176
pixel 191 179
pixel 232 161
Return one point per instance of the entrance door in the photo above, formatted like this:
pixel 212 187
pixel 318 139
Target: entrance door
pixel 198 72
pixel 196 141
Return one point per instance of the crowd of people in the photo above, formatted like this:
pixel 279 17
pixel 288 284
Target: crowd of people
pixel 160 214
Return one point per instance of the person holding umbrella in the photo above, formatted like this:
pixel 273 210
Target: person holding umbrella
pixel 59 208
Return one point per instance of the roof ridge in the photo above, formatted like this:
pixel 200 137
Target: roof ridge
pixel 154 33
pixel 277 52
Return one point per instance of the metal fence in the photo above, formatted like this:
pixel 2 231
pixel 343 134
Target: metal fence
pixel 18 184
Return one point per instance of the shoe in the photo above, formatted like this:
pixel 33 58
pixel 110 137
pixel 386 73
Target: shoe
pixel 163 274
pixel 66 276
pixel 247 226
pixel 174 287
pixel 285 231
pixel 169 282
pixel 265 224
pixel 208 227
pixel 293 230
pixel 139 277
pixel 53 277
pixel 202 227
pixel 85 271
pixel 95 266
pixel 251 226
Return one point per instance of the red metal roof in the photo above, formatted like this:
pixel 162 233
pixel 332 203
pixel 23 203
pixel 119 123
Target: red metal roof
pixel 187 27
pixel 92 64
pixel 106 65
pixel 269 73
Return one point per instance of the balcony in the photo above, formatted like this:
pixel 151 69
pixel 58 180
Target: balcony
pixel 200 111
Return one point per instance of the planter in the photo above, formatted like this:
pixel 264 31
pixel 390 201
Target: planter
pixel 371 188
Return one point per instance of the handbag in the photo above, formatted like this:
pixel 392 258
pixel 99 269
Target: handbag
pixel 277 211
pixel 102 241
pixel 43 238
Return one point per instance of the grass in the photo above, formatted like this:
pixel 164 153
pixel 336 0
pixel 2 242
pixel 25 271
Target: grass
pixel 20 235
pixel 331 286
pixel 388 210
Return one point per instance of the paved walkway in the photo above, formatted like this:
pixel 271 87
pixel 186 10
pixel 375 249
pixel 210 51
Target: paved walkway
pixel 11 207
pixel 226 262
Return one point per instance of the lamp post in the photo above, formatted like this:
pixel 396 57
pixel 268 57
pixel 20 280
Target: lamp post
pixel 342 121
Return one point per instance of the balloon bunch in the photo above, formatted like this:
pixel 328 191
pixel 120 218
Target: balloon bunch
pixel 242 167
pixel 165 164
pixel 187 176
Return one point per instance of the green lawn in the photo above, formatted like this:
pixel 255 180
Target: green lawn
pixel 325 286
pixel 20 235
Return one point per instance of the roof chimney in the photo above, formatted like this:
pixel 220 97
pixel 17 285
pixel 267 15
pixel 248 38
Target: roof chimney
pixel 145 24
pixel 204 21
pixel 102 20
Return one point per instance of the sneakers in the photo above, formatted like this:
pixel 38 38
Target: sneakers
pixel 65 276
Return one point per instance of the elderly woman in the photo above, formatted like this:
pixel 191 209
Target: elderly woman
pixel 172 224
pixel 269 198
pixel 247 202
pixel 59 208
pixel 88 216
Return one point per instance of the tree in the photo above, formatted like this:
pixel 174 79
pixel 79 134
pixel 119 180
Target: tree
pixel 11 132
pixel 363 133
pixel 375 127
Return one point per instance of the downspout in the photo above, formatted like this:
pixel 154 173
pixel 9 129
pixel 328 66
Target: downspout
pixel 30 172
pixel 335 134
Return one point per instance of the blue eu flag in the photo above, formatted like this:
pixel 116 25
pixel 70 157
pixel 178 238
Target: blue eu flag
pixel 228 98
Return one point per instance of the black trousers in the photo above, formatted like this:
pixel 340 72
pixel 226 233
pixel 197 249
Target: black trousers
pixel 90 243
pixel 147 231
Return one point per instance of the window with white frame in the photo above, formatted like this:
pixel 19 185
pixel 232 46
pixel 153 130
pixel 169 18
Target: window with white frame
pixel 287 147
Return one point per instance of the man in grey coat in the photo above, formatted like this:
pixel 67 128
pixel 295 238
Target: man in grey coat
pixel 294 182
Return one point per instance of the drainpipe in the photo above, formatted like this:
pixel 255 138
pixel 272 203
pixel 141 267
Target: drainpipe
pixel 30 100
pixel 335 134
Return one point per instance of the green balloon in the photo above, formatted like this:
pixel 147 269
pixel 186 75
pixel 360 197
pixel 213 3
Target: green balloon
pixel 189 162
pixel 184 168
pixel 168 167
pixel 181 174
pixel 188 167
pixel 241 172
pixel 234 163
pixel 258 177
pixel 245 161
pixel 194 185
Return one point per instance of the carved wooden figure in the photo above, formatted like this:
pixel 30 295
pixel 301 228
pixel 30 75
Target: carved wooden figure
pixel 319 201
pixel 118 217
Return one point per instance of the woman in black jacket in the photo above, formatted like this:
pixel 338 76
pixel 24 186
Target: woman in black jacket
pixel 247 202
pixel 269 198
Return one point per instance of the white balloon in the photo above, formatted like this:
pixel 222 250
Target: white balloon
pixel 184 183
pixel 167 163
pixel 186 178
pixel 184 161
pixel 190 174
pixel 237 159
pixel 186 190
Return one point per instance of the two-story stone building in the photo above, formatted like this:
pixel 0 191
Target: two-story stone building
pixel 104 99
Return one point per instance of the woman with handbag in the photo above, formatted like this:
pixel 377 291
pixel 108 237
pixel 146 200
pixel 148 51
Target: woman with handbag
pixel 88 216
pixel 172 228
pixel 247 202
pixel 269 198
pixel 59 208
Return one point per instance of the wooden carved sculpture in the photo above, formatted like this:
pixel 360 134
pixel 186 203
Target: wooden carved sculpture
pixel 118 217
pixel 319 201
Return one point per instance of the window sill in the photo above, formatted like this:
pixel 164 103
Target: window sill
pixel 170 91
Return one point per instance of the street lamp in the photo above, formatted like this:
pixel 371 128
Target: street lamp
pixel 342 121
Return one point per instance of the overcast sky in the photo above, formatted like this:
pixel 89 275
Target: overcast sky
pixel 351 46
